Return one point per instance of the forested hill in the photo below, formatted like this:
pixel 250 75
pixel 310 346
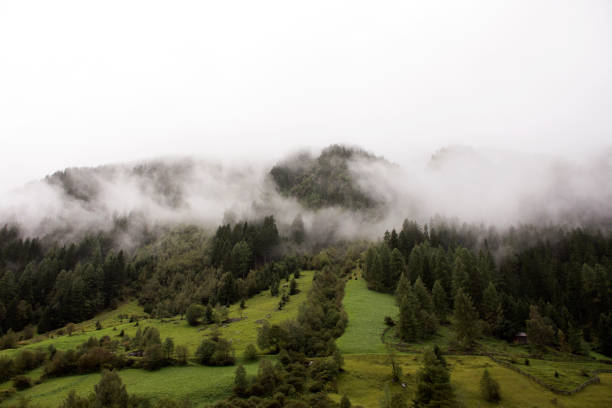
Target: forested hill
pixel 325 180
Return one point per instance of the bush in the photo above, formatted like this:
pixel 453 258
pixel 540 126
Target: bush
pixel 7 368
pixel 153 357
pixel 205 351
pixel 194 314
pixel 9 340
pixel 217 352
pixel 250 353
pixel 21 382
pixel 526 361
pixel 28 360
pixel 489 388
pixel 181 354
pixel 389 321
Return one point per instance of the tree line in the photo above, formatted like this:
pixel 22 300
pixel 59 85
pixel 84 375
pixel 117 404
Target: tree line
pixel 553 282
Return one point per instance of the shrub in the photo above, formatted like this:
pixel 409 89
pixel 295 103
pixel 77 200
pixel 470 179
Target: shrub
pixel 205 351
pixel 28 332
pixel 21 382
pixel 7 368
pixel 153 357
pixel 28 360
pixel 250 353
pixel 489 388
pixel 194 314
pixel 181 354
pixel 9 340
pixel 389 321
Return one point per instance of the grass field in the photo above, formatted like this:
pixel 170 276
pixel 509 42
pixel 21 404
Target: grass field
pixel 367 370
pixel 366 311
pixel 201 384
pixel 368 373
pixel 366 377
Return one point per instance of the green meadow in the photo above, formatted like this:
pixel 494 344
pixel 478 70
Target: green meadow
pixel 201 384
pixel 367 373
pixel 366 311
pixel 367 370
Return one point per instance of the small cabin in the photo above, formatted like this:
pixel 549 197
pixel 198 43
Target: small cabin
pixel 520 338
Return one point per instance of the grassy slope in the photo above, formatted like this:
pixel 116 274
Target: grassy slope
pixel 202 384
pixel 367 369
pixel 366 376
pixel 366 311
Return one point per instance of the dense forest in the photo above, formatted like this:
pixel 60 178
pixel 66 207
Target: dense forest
pixel 557 276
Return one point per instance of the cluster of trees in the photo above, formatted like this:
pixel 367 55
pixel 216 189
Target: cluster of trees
pixel 186 267
pixel 23 362
pixel 50 285
pixel 215 351
pixel 323 181
pixel 308 360
pixel 54 286
pixel 565 273
pixel 321 319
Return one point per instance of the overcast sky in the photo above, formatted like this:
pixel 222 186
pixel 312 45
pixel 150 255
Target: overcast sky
pixel 85 83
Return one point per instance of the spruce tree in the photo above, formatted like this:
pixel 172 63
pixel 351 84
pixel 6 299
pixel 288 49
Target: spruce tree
pixel 409 325
pixel 433 383
pixel 466 320
pixel 440 301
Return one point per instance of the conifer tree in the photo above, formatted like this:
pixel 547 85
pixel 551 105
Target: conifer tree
pixel 466 320
pixel 440 301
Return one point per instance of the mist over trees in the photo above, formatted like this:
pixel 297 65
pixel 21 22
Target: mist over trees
pixel 554 283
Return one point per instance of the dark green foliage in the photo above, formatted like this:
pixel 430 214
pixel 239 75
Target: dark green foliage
pixel 182 354
pixel 604 333
pixel 440 301
pixel 417 317
pixel 345 402
pixel 153 357
pixel 433 383
pixel 21 382
pixel 489 388
pixel 293 290
pixel 194 314
pixel 466 320
pixel 215 352
pixel 539 330
pixel 240 381
pixel 324 181
pixel 110 391
pixel 250 353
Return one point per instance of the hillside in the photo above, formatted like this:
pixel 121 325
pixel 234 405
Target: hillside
pixel 326 180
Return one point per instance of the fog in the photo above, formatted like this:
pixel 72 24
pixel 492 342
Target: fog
pixel 85 84
pixel 512 98
pixel 489 187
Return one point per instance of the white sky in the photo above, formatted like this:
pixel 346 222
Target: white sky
pixel 87 83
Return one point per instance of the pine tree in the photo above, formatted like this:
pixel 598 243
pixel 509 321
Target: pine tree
pixel 409 325
pixel 433 383
pixel 539 331
pixel 466 320
pixel 492 311
pixel 440 301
